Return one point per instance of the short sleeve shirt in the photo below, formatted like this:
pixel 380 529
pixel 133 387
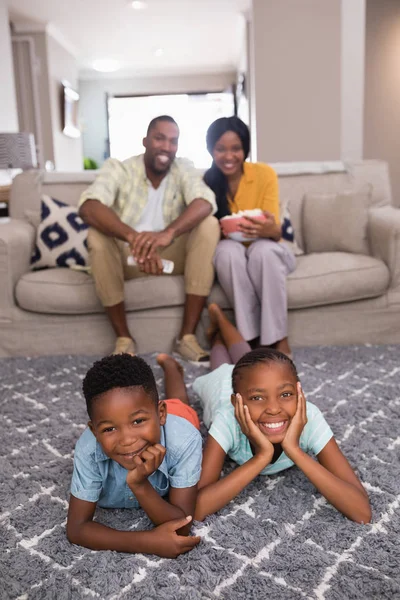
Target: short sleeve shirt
pixel 123 187
pixel 97 478
pixel 215 390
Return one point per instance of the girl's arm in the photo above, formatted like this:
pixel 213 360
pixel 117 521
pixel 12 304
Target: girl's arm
pixel 335 479
pixel 162 541
pixel 215 493
pixel 332 475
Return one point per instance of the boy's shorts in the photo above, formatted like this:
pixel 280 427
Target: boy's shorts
pixel 180 409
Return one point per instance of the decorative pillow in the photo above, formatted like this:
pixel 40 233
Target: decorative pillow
pixel 288 237
pixel 337 222
pixel 61 237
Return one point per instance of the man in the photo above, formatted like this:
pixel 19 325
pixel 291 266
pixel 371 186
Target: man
pixel 152 206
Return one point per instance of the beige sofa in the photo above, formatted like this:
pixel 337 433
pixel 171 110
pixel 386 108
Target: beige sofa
pixel 334 297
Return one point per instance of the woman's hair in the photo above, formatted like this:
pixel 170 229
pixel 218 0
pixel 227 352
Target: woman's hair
pixel 117 371
pixel 261 355
pixel 214 178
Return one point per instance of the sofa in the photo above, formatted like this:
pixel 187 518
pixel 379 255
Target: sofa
pixel 343 290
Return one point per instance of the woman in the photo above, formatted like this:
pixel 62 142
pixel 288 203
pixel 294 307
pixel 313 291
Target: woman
pixel 252 275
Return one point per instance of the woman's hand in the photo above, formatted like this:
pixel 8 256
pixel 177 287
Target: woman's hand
pixel 291 440
pixel 259 441
pixel 261 229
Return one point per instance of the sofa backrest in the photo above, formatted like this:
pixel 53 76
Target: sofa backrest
pixel 67 187
pixel 354 176
pixel 28 187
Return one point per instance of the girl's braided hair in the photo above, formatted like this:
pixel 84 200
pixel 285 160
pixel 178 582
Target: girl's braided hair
pixel 261 355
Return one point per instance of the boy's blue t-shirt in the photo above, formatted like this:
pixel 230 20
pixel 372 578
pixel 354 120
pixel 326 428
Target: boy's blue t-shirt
pixel 215 391
pixel 97 478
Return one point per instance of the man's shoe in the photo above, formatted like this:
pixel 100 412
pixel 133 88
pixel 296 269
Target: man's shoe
pixel 124 345
pixel 188 347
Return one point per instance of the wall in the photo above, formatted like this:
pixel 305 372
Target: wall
pixel 296 54
pixel 93 94
pixel 382 86
pixel 39 40
pixel 62 65
pixel 243 97
pixel 8 112
pixel 352 79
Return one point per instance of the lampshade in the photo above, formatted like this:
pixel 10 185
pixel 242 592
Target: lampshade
pixel 17 151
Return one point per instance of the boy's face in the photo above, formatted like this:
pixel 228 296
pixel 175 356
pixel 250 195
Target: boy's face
pixel 270 392
pixel 126 421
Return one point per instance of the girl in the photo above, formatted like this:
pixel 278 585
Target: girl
pixel 253 276
pixel 265 426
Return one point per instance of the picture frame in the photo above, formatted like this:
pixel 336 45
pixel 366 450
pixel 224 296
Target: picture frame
pixel 70 111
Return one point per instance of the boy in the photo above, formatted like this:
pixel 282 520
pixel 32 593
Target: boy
pixel 132 455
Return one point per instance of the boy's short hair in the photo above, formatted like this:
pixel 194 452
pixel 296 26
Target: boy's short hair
pixel 118 371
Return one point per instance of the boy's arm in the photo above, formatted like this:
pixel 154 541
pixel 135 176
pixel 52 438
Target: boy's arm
pixel 182 500
pixel 162 541
pixel 181 503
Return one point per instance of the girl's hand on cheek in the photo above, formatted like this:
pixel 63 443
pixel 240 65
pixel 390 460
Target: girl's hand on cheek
pixel 292 437
pixel 257 439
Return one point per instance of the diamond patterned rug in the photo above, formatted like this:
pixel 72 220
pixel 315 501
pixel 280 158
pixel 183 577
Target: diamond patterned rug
pixel 278 539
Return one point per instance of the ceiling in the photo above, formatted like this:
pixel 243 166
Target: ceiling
pixel 195 35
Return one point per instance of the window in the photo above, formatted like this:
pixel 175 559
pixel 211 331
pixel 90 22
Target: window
pixel 129 117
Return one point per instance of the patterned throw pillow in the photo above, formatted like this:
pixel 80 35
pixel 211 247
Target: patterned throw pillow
pixel 287 230
pixel 61 237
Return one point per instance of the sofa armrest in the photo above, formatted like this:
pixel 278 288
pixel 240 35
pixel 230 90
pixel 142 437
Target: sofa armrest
pixel 384 238
pixel 16 243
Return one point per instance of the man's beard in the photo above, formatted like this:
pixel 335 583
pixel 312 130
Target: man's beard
pixel 159 171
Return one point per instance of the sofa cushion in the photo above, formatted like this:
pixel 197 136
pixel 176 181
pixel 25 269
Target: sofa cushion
pixel 65 291
pixel 318 279
pixel 61 237
pixel 334 277
pixel 336 222
pixel 27 188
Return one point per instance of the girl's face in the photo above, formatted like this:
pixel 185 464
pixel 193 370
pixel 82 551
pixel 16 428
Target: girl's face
pixel 228 154
pixel 270 392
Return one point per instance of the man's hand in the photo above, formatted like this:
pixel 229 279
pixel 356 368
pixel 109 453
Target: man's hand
pixel 260 442
pixel 145 465
pixel 259 229
pixel 146 244
pixel 292 437
pixel 152 266
pixel 167 543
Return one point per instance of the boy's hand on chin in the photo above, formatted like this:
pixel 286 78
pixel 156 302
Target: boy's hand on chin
pixel 257 439
pixel 291 440
pixel 145 465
